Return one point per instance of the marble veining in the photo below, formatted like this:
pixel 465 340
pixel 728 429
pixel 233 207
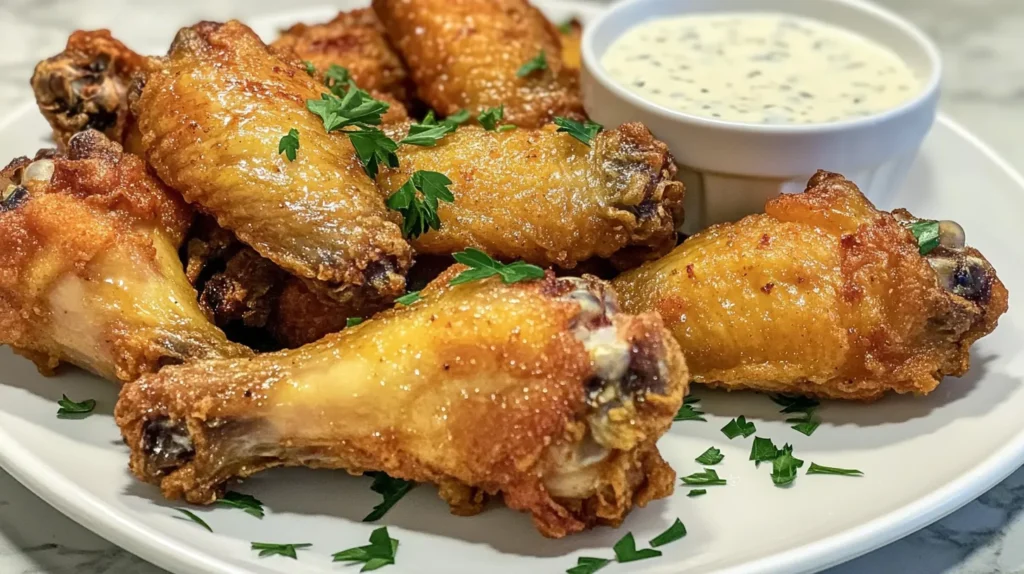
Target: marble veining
pixel 981 42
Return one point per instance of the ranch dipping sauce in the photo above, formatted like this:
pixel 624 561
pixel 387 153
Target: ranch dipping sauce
pixel 759 68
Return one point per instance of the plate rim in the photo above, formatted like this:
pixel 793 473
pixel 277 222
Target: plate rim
pixel 141 539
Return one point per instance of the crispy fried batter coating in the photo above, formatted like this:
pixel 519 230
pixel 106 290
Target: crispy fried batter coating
pixel 465 54
pixel 822 295
pixel 570 34
pixel 86 86
pixel 211 121
pixel 540 391
pixel 90 273
pixel 548 198
pixel 356 41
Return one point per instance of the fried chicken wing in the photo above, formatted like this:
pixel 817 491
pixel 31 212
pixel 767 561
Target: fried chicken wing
pixel 466 54
pixel 86 86
pixel 90 271
pixel 211 120
pixel 548 198
pixel 822 295
pixel 356 41
pixel 540 391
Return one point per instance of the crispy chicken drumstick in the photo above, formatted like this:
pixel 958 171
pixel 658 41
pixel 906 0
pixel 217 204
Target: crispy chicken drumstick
pixel 822 295
pixel 541 391
pixel 91 274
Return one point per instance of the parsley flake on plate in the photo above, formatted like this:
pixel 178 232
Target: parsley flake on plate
pixel 429 131
pixel 819 469
pixel 71 409
pixel 420 215
pixel 739 426
pixel 490 117
pixel 458 118
pixel 707 478
pixel 674 532
pixel 582 131
pixel 392 489
pixel 625 550
pixel 694 492
pixel 289 144
pixel 763 450
pixel 482 266
pixel 795 404
pixel 806 425
pixel 192 516
pixel 566 27
pixel 374 149
pixel 380 552
pixel 927 235
pixel 409 298
pixel 534 64
pixel 587 565
pixel 687 412
pixel 353 321
pixel 785 466
pixel 248 503
pixel 288 550
pixel 710 457
pixel 310 68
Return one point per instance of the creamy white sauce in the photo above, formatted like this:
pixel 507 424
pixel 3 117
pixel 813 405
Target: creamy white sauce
pixel 759 68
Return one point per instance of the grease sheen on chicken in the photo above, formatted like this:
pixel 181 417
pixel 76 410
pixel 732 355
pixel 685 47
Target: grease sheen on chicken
pixel 90 271
pixel 540 391
pixel 547 198
pixel 822 295
pixel 211 120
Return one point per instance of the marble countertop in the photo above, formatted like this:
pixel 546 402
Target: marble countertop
pixel 981 42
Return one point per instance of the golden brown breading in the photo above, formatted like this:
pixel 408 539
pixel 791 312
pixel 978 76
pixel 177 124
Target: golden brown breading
pixel 540 390
pixel 302 316
pixel 86 85
pixel 547 198
pixel 90 273
pixel 822 295
pixel 356 41
pixel 465 54
pixel 570 35
pixel 211 121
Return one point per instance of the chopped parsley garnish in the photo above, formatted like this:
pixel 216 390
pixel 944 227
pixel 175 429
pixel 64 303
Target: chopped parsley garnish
pixel 458 118
pixel 289 144
pixel 926 232
pixel 739 426
pixel 587 565
pixel 534 64
pixel 625 550
pixel 711 457
pixel 506 128
pixel 696 492
pixel 310 68
pixel 380 552
pixel 353 321
pixel 482 266
pixel 392 489
pixel 427 132
pixel 420 215
pixel 269 549
pixel 490 117
pixel 818 469
pixel 191 516
pixel 785 466
pixel 794 404
pixel 707 478
pixel 338 80
pixel 763 450
pixel 69 408
pixel 356 109
pixel 409 298
pixel 691 400
pixel 374 149
pixel 582 131
pixel 674 532
pixel 689 413
pixel 250 504
pixel 566 27
pixel 806 425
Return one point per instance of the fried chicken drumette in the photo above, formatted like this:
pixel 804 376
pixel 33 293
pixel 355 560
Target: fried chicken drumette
pixel 355 41
pixel 540 391
pixel 86 86
pixel 822 295
pixel 547 198
pixel 468 54
pixel 211 121
pixel 91 274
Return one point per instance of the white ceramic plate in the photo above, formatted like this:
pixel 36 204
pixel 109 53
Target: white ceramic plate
pixel 922 457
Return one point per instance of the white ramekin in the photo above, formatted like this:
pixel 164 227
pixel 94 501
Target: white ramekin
pixel 730 168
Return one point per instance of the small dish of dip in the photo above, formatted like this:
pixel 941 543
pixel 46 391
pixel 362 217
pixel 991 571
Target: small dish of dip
pixel 753 96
